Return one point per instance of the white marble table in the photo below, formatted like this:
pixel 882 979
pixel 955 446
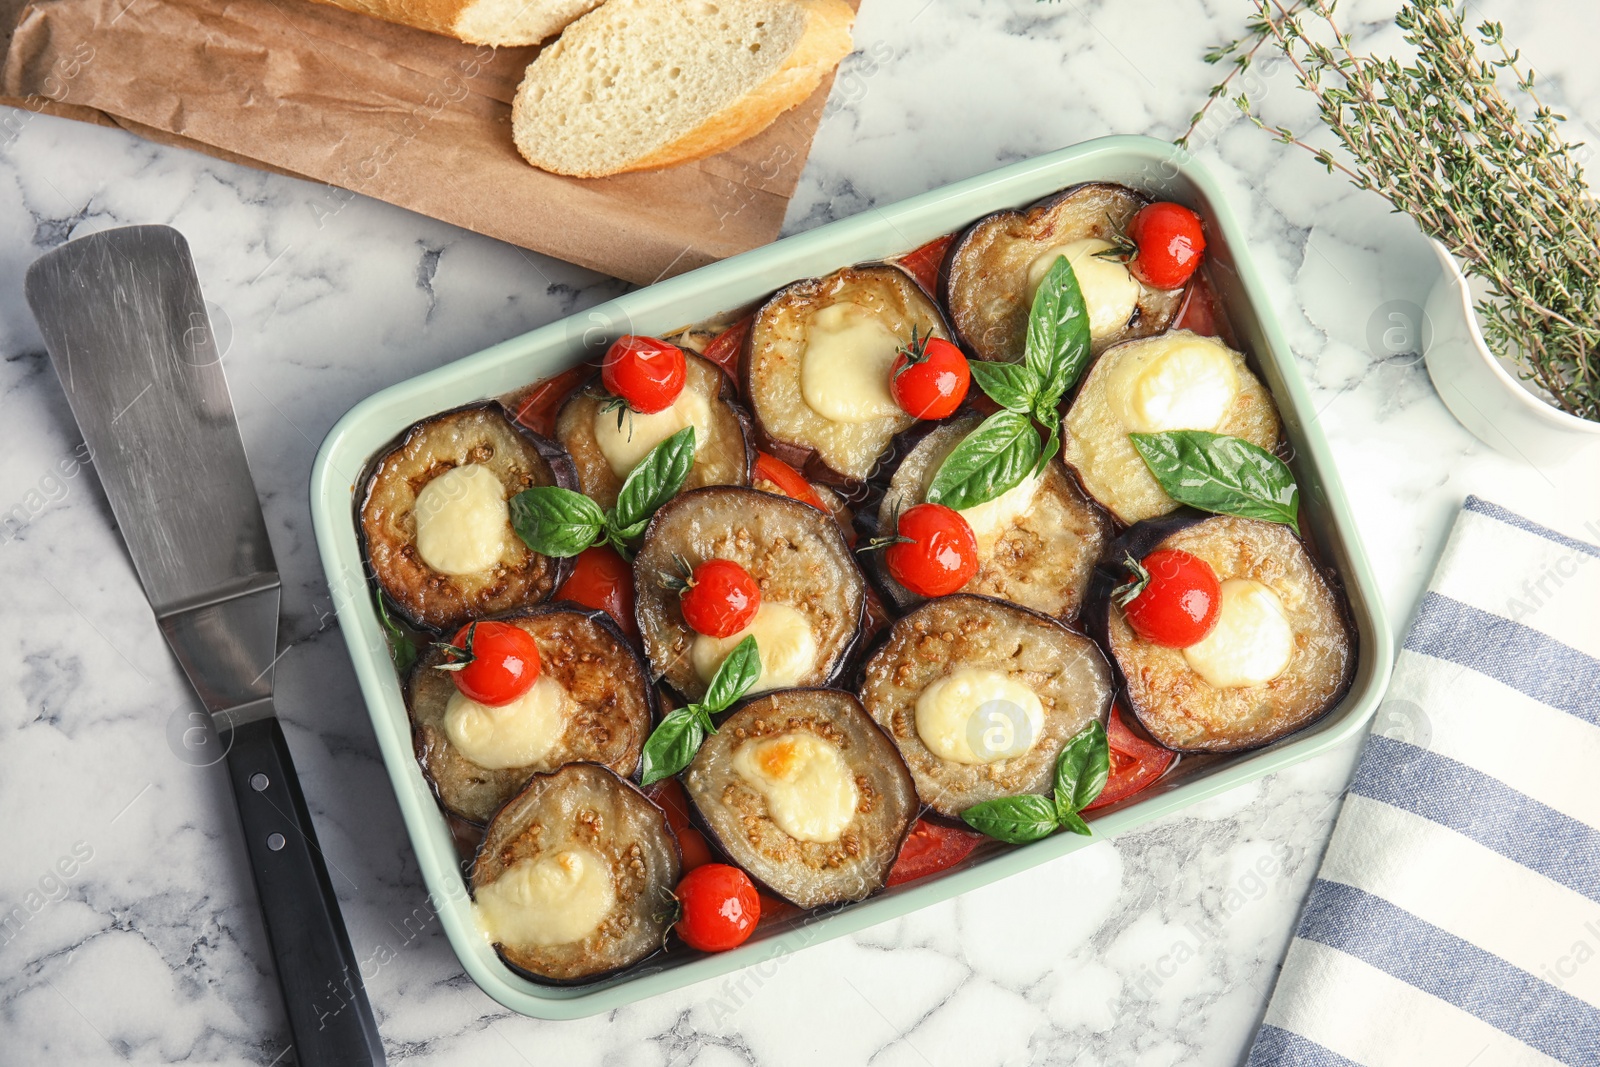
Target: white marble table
pixel 1158 948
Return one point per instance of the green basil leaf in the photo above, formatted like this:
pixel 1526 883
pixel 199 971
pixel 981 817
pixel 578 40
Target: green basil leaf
pixel 402 650
pixel 1074 822
pixel 1222 474
pixel 1082 770
pixel 671 745
pixel 1014 820
pixel 1052 446
pixel 656 480
pixel 997 456
pixel 1010 385
pixel 556 522
pixel 734 677
pixel 1057 347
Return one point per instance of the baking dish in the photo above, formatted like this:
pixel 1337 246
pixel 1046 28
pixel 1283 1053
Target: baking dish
pixel 1152 166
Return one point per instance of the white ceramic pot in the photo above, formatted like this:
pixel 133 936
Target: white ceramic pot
pixel 1501 410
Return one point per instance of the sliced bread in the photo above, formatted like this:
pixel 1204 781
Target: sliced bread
pixel 640 84
pixel 496 22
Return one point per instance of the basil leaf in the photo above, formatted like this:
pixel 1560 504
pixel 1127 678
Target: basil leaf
pixel 995 457
pixel 737 673
pixel 656 480
pixel 402 650
pixel 1057 346
pixel 556 522
pixel 1222 474
pixel 1014 820
pixel 1074 822
pixel 671 745
pixel 1081 771
pixel 1010 385
pixel 1052 446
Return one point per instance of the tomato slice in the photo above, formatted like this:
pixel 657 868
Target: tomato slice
pixel 930 848
pixel 786 480
pixel 668 794
pixel 725 348
pixel 603 580
pixel 538 409
pixel 1135 762
pixel 1199 311
pixel 923 263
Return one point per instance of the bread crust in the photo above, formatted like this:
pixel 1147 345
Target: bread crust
pixel 453 18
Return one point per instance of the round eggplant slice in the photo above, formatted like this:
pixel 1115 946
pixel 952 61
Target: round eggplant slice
pixel 606 440
pixel 802 790
pixel 1179 380
pixel 993 269
pixel 592 703
pixel 1037 544
pixel 1303 624
pixel 574 878
pixel 812 594
pixel 817 366
pixel 980 697
pixel 436 525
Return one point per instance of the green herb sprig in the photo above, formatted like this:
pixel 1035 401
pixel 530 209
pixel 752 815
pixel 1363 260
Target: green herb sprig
pixel 1221 474
pixel 402 649
pixel 678 737
pixel 1081 773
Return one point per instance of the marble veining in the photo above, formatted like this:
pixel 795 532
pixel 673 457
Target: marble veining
pixel 130 929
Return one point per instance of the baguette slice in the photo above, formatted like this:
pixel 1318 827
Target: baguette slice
pixel 641 84
pixel 494 22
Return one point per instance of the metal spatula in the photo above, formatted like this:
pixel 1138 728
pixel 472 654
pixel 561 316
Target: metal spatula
pixel 127 330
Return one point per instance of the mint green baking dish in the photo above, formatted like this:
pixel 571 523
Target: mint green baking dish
pixel 1155 167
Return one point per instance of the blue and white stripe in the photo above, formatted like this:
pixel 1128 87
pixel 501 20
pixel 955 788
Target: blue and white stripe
pixel 1456 916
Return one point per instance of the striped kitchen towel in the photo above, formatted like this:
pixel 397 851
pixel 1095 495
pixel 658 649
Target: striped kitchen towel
pixel 1456 916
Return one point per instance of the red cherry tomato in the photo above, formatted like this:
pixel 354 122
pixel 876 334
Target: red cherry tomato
pixel 930 848
pixel 923 263
pixel 725 348
pixel 504 663
pixel 720 907
pixel 720 599
pixel 785 480
pixel 1180 601
pixel 669 796
pixel 929 378
pixel 603 580
pixel 1135 762
pixel 1169 241
pixel 647 373
pixel 939 553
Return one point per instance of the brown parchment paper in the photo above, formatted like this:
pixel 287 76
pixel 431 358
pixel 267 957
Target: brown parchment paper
pixel 405 116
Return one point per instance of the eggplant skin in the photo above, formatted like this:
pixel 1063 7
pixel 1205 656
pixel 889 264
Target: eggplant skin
pixel 1067 671
pixel 1177 707
pixel 983 280
pixel 724 459
pixel 810 874
pixel 606 679
pixel 834 452
pixel 796 554
pixel 1095 442
pixel 1043 562
pixel 521 459
pixel 589 805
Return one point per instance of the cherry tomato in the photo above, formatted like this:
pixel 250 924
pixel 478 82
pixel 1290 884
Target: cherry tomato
pixel 937 552
pixel 786 480
pixel 929 378
pixel 930 848
pixel 720 907
pixel 504 663
pixel 720 598
pixel 1169 242
pixel 1180 601
pixel 603 580
pixel 1199 313
pixel 537 411
pixel 669 796
pixel 725 348
pixel 647 373
pixel 923 263
pixel 1135 762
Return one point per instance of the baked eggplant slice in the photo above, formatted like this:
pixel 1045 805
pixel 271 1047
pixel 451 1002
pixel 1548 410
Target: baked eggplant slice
pixel 994 267
pixel 980 696
pixel 1037 543
pixel 436 522
pixel 607 441
pixel 592 703
pixel 574 878
pixel 1177 381
pixel 816 368
pixel 802 790
pixel 812 594
pixel 1282 654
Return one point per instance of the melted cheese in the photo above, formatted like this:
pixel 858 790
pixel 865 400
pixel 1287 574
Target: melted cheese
pixel 463 520
pixel 1179 382
pixel 1252 642
pixel 844 374
pixel 810 792
pixel 992 519
pixel 977 716
pixel 624 446
pixel 519 734
pixel 552 900
pixel 783 637
pixel 1109 291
